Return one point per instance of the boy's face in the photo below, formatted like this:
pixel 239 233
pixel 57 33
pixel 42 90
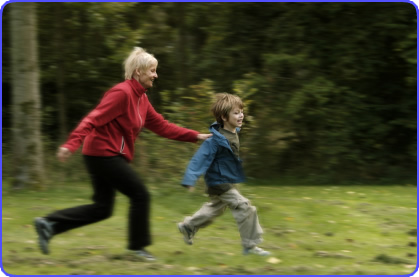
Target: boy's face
pixel 235 119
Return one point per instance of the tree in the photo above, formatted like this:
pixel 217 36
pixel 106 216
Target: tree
pixel 335 82
pixel 26 104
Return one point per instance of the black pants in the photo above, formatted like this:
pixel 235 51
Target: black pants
pixel 109 174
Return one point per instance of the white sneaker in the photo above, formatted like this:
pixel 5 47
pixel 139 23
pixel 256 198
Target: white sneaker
pixel 145 255
pixel 256 251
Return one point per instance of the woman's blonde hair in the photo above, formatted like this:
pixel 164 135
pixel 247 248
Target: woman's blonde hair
pixel 224 103
pixel 138 59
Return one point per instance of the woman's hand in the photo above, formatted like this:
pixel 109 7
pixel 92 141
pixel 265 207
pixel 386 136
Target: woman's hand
pixel 203 136
pixel 63 154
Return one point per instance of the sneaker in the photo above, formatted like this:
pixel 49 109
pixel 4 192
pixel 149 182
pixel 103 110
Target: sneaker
pixel 187 233
pixel 44 230
pixel 256 250
pixel 144 254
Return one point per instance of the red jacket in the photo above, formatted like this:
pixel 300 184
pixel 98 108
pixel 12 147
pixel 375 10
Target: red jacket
pixel 112 127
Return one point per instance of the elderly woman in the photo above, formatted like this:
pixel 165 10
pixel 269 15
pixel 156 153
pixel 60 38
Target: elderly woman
pixel 108 134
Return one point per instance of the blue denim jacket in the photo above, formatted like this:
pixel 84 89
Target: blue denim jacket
pixel 216 160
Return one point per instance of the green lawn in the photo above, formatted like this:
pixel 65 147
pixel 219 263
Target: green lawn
pixel 310 230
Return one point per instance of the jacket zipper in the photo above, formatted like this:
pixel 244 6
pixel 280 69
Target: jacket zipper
pixel 122 146
pixel 138 109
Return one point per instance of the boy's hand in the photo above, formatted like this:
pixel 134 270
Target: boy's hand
pixel 190 188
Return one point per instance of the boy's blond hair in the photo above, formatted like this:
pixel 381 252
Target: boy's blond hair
pixel 139 59
pixel 224 103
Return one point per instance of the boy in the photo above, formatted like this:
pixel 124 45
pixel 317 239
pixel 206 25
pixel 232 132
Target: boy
pixel 218 158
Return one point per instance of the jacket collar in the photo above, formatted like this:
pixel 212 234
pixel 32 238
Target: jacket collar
pixel 222 140
pixel 215 127
pixel 136 87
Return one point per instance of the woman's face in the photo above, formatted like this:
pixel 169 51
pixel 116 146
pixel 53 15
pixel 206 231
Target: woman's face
pixel 146 78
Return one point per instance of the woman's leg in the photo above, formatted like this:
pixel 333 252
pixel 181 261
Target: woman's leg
pixel 108 174
pixel 126 180
pixel 103 200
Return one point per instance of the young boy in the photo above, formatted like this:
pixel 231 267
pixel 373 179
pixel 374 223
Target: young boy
pixel 218 158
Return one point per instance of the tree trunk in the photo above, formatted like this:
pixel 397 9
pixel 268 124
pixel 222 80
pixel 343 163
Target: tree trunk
pixel 26 117
pixel 182 46
pixel 60 81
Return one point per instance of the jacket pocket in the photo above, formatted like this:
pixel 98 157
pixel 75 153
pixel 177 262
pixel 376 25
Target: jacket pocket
pixel 228 169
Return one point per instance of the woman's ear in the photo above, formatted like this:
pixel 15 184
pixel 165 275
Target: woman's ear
pixel 138 72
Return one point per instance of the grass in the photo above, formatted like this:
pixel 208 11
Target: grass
pixel 310 230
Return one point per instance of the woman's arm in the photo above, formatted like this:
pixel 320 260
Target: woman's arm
pixel 156 123
pixel 111 106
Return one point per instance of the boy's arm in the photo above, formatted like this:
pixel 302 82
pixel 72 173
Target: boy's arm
pixel 200 162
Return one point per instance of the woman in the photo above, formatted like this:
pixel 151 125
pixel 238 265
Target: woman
pixel 108 134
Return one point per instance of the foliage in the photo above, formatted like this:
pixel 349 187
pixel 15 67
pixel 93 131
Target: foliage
pixel 330 87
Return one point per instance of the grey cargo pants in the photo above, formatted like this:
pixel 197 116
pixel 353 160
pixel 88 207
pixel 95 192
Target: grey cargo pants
pixel 243 212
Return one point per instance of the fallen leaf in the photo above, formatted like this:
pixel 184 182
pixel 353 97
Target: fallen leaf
pixel 273 260
pixel 293 245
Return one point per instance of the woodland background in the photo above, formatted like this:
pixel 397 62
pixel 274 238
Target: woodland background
pixel 330 88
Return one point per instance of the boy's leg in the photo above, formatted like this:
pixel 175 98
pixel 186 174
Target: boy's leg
pixel 202 218
pixel 246 217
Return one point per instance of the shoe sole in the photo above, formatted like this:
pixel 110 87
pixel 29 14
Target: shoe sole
pixel 143 256
pixel 43 243
pixel 185 234
pixel 257 254
pixel 148 259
